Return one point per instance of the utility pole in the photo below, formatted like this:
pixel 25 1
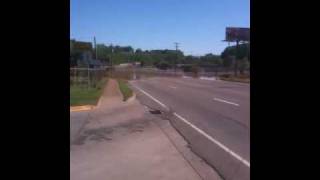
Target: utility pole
pixel 236 59
pixel 111 55
pixel 175 62
pixel 95 46
pixel 111 63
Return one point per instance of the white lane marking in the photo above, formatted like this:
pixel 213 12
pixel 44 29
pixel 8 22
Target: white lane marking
pixel 245 162
pixel 151 97
pixel 208 78
pixel 173 87
pixel 186 77
pixel 214 141
pixel 228 102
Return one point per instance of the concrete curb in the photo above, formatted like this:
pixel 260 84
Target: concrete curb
pixel 99 101
pixel 87 107
pixel 132 98
pixel 237 82
pixel 81 108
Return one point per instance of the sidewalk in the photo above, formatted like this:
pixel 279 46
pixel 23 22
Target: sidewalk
pixel 121 142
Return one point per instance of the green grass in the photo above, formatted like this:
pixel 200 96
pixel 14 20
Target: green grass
pixel 125 90
pixel 86 96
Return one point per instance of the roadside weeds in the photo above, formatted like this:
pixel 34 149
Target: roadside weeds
pixel 125 89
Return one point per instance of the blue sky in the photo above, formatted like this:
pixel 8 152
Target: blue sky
pixel 198 25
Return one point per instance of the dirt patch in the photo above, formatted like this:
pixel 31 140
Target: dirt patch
pixel 98 134
pixel 109 133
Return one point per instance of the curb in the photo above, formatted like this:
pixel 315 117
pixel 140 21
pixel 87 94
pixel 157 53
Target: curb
pixel 132 98
pixel 99 101
pixel 81 108
pixel 87 107
pixel 237 82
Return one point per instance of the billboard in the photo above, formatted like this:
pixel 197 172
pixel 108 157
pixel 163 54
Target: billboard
pixel 82 46
pixel 237 34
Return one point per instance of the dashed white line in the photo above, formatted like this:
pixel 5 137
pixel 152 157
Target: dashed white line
pixel 245 162
pixel 173 87
pixel 228 102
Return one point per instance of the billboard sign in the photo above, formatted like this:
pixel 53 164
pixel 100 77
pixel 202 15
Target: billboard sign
pixel 82 46
pixel 237 34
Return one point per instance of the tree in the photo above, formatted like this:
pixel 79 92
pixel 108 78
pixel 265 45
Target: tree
pixel 232 53
pixel 210 59
pixel 138 51
pixel 244 64
pixel 244 51
pixel 103 52
pixel 227 61
pixel 142 63
pixel 195 70
pixel 163 65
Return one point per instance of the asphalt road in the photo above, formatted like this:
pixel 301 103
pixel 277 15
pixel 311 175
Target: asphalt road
pixel 219 108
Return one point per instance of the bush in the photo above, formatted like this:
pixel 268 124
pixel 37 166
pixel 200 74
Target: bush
pixel 187 68
pixel 225 75
pixel 243 65
pixel 163 65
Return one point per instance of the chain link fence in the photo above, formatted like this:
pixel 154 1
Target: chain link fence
pixel 91 77
pixel 87 77
pixel 130 73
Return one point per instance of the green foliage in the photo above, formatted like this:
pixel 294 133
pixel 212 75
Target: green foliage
pixel 166 58
pixel 244 64
pixel 163 65
pixel 241 53
pixel 210 59
pixel 125 90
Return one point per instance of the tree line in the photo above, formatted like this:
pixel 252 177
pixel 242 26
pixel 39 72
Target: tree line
pixel 166 58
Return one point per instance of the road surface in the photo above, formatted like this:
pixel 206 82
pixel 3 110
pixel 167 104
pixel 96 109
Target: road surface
pixel 221 109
